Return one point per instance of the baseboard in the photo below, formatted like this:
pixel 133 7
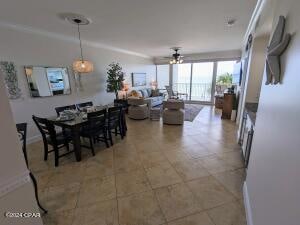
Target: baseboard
pixel 247 205
pixel 13 183
pixel 33 139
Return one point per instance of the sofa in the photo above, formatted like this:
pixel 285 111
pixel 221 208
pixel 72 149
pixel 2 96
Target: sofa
pixel 153 96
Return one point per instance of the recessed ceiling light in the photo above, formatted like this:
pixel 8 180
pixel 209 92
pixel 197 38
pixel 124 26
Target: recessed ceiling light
pixel 231 22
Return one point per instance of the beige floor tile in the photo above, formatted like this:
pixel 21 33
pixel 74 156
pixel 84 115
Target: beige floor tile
pixel 67 174
pixel 176 155
pixel 196 219
pixel 58 218
pixel 98 169
pixel 127 164
pixel 140 209
pixel 162 175
pixel 96 190
pixel 100 213
pixel 147 146
pixel 214 164
pixel 228 214
pixel 233 181
pixel 151 159
pixel 197 151
pixel 190 169
pixel 210 192
pixel 177 201
pixel 61 198
pixel 43 178
pixel 233 158
pixel 132 183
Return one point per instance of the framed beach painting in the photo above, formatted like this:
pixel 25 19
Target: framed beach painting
pixel 139 79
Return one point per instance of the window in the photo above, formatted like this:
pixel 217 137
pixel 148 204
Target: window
pixel 224 75
pixel 162 76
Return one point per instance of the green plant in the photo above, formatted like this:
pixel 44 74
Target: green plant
pixel 115 78
pixel 225 78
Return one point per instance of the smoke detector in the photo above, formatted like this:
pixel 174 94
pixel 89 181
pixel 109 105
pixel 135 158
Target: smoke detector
pixel 75 19
pixel 231 22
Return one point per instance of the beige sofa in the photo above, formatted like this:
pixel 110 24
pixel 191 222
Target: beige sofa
pixel 153 97
pixel 173 112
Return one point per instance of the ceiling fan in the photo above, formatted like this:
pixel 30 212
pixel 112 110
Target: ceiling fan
pixel 176 57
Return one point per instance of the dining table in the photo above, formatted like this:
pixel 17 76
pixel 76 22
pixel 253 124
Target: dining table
pixel 80 120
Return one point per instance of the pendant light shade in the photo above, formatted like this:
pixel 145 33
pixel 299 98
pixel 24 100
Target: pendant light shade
pixel 83 66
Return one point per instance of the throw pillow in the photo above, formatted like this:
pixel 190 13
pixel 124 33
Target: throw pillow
pixel 155 93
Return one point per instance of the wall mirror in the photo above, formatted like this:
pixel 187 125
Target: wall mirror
pixel 47 81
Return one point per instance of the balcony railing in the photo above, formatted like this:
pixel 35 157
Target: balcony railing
pixel 200 91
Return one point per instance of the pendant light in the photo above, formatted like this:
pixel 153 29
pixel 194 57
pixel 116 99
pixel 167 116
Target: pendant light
pixel 81 65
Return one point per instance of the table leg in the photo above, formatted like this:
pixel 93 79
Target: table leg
pixel 76 142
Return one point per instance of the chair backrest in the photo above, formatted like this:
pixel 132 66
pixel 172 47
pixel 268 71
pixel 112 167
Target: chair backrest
pixel 46 128
pixel 97 120
pixel 63 108
pixel 83 105
pixel 136 101
pixel 173 104
pixel 22 130
pixel 169 91
pixel 114 115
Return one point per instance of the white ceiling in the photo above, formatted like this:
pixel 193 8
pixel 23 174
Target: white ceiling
pixel 149 27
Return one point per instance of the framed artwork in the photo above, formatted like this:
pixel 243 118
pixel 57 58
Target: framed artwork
pixel 9 72
pixel 139 79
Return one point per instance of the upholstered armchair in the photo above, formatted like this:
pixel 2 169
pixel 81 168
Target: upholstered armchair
pixel 173 112
pixel 139 108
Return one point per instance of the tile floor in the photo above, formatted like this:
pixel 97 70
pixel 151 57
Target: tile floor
pixel 159 174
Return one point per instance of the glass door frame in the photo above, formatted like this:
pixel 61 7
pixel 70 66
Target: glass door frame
pixel 213 82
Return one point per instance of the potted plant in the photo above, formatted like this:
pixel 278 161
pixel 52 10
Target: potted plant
pixel 115 78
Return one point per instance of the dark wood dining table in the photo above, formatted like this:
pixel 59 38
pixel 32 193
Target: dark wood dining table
pixel 77 123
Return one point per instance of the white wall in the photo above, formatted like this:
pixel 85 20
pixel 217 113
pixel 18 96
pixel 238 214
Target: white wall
pixel 256 69
pixel 16 192
pixel 273 180
pixel 26 48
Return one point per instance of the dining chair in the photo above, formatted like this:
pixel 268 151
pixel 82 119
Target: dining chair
pixel 95 130
pixel 83 105
pixel 22 131
pixel 63 108
pixel 53 138
pixel 123 116
pixel 114 122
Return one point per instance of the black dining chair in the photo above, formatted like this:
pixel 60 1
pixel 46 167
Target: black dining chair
pixel 83 105
pixel 123 117
pixel 63 108
pixel 95 130
pixel 114 122
pixel 51 137
pixel 22 131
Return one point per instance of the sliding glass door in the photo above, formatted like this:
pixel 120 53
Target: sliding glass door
pixel 198 82
pixel 193 81
pixel 182 80
pixel 202 81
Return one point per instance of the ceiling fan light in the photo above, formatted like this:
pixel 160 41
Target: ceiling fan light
pixel 83 66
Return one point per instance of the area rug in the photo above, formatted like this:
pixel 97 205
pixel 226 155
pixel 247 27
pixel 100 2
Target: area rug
pixel 191 111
